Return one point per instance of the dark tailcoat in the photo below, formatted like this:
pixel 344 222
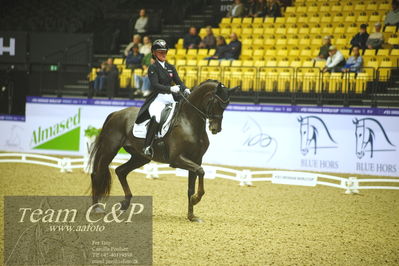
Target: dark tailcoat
pixel 161 79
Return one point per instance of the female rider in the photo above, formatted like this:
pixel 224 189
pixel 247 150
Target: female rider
pixel 165 83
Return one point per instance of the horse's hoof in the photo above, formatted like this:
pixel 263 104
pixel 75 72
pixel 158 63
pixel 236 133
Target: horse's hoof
pixel 98 210
pixel 124 205
pixel 195 219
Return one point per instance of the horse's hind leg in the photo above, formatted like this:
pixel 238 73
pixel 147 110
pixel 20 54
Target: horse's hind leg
pixel 123 170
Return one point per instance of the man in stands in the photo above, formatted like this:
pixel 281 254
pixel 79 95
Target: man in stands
pixel 209 41
pixel 191 39
pixel 233 49
pixel 134 58
pixel 392 17
pixel 237 10
pixel 324 49
pixel 136 41
pixel 335 61
pixel 376 39
pixel 274 9
pixel 355 62
pixel 360 38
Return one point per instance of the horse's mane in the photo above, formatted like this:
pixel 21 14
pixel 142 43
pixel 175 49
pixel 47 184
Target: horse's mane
pixel 202 83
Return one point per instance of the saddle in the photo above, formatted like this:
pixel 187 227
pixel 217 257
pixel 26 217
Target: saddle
pixel 167 115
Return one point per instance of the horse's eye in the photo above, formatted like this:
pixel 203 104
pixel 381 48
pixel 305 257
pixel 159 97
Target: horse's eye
pixel 360 134
pixel 304 132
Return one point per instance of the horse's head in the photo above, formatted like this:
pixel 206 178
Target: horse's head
pixel 217 103
pixel 307 134
pixel 362 135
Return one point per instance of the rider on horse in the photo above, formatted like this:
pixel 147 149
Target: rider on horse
pixel 165 84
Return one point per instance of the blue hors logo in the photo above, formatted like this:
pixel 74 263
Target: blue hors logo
pixel 371 137
pixel 314 135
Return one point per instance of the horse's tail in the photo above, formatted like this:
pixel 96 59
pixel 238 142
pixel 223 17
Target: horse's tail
pixel 98 162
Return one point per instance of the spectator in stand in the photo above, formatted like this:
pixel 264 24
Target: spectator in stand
pixel 142 83
pixel 274 9
pixel 392 17
pixel 209 41
pixel 134 58
pixel 261 10
pixel 360 38
pixel 376 39
pixel 355 62
pixel 191 39
pixel 220 48
pixel 324 49
pixel 145 49
pixel 136 41
pixel 233 49
pixel 252 8
pixel 237 10
pixel 141 24
pixel 335 61
pixel 107 78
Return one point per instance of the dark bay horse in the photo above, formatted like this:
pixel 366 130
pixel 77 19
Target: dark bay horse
pixel 186 143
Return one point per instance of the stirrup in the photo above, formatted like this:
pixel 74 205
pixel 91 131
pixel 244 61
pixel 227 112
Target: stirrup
pixel 148 151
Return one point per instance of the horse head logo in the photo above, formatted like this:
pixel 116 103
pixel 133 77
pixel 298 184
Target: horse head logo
pixel 312 129
pixel 367 132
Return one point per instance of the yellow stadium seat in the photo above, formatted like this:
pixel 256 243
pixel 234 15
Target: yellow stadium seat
pixel 171 61
pixel 384 6
pixel 257 33
pixel 290 9
pixel 236 22
pixel 292 30
pixel 269 42
pixel 313 9
pixel 304 30
pixel 320 64
pixel 301 9
pixel 272 62
pixel 257 22
pixel 338 18
pixel 294 41
pixel 225 23
pixel 268 21
pixel 307 52
pixel 280 20
pixel 316 41
pixel 315 18
pixel 191 62
pixel 308 62
pixel 324 8
pixel 259 63
pixel 281 42
pixel 304 42
pixel 118 61
pixel 202 33
pixel 211 52
pixel 375 17
pixel 395 52
pixel 294 52
pixel 225 32
pixel 247 63
pixel 181 62
pixel 303 19
pixel 171 52
pixel 225 63
pixel 257 44
pixel 369 52
pixel 361 82
pixel 282 52
pixel 345 53
pixel 373 62
pixel 179 44
pixel 328 30
pixel 246 33
pixel 296 62
pixel 202 53
pixel 327 18
pixel 246 22
pixel 202 62
pixel 336 8
pixel 372 6
pixel 248 79
pixel 383 52
pixel 257 54
pixel 352 29
pixel 291 19
pixel 350 18
pixel 246 54
pixel 362 18
pixel 360 6
pixel 339 29
pixel 316 30
pixel 216 31
pixel 236 63
pixel 191 53
pixel 214 63
pixel 393 40
pixel 390 29
pixel 281 30
pixel 283 62
pixel 270 52
pixel 247 43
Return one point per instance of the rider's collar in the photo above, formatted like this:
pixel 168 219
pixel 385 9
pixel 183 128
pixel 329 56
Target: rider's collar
pixel 162 63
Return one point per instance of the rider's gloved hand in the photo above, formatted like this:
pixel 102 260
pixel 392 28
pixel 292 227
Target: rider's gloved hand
pixel 175 88
pixel 187 92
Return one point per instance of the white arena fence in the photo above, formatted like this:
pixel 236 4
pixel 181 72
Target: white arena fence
pixel 351 185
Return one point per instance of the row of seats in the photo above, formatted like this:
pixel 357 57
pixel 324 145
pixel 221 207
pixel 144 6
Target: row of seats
pixel 305 18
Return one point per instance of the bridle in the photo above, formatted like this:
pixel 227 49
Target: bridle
pixel 207 115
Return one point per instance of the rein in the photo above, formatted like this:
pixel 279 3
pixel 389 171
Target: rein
pixel 204 115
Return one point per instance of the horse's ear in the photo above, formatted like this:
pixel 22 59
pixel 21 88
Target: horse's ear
pixel 232 90
pixel 355 121
pixel 300 119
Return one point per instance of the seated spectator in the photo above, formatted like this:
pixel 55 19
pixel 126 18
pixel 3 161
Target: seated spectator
pixel 392 17
pixel 355 62
pixel 145 49
pixel 233 49
pixel 324 49
pixel 136 41
pixel 141 24
pixel 376 39
pixel 107 78
pixel 142 83
pixel 261 8
pixel 237 10
pixel 360 38
pixel 274 9
pixel 252 8
pixel 191 39
pixel 220 48
pixel 209 41
pixel 335 61
pixel 134 58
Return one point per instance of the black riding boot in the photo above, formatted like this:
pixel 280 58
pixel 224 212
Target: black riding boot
pixel 149 139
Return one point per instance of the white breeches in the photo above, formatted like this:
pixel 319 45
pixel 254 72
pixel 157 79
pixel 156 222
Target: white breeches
pixel 158 105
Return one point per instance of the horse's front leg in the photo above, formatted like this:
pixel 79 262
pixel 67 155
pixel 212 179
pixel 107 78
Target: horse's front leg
pixel 194 171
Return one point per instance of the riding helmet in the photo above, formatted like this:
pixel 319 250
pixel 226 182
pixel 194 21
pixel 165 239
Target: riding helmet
pixel 159 45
